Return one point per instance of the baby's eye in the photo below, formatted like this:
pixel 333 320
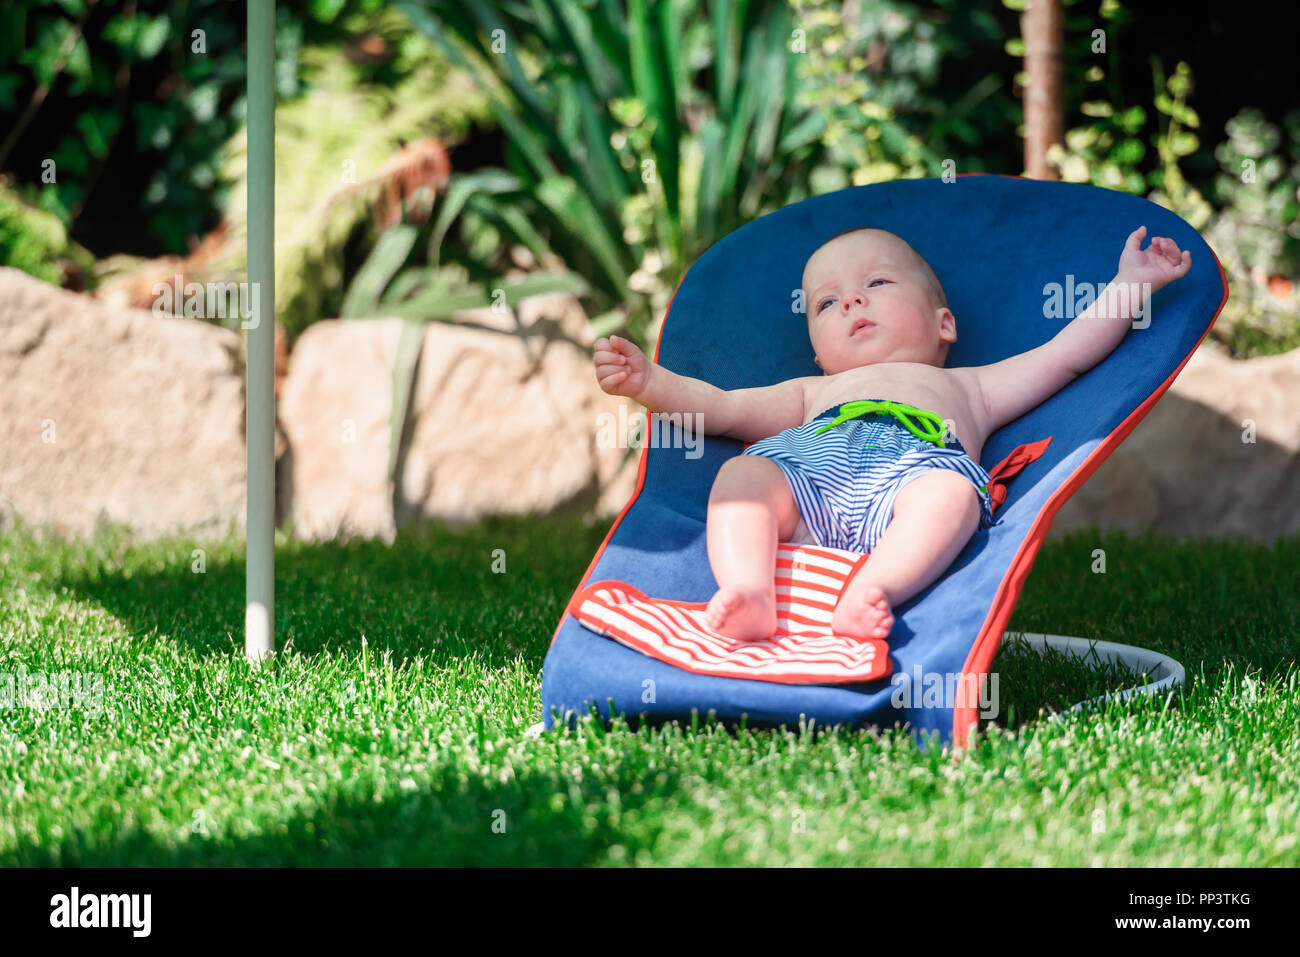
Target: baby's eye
pixel 822 305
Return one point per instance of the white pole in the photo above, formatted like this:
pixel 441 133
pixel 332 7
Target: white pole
pixel 259 431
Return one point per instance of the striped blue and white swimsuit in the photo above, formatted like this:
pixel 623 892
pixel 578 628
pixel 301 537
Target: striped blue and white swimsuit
pixel 846 479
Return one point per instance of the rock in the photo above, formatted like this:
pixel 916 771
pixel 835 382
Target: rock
pixel 504 419
pixel 115 415
pixel 1192 467
pixel 335 412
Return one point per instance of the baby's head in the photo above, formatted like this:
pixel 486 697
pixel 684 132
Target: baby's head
pixel 872 298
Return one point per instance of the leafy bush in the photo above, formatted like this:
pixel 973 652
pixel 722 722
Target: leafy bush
pixel 36 242
pixel 1260 186
pixel 637 135
pixel 105 89
pixel 329 174
pixel 1257 233
pixel 1253 225
pixel 879 78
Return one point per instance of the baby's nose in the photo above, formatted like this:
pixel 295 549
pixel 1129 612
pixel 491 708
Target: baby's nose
pixel 853 299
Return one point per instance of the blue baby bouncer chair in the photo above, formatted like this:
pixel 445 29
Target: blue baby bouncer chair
pixel 996 242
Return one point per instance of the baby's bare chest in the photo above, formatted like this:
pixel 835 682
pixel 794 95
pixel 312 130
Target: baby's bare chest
pixel 944 391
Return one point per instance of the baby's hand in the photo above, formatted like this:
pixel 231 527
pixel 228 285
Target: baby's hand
pixel 621 368
pixel 1159 264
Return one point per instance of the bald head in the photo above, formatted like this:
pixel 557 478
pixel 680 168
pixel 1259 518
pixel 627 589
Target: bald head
pixel 842 263
pixel 938 298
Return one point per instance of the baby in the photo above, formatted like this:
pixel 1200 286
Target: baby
pixel 895 477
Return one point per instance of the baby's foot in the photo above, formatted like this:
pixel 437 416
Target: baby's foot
pixel 744 615
pixel 863 613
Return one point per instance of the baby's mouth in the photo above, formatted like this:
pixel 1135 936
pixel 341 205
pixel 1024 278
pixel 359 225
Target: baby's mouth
pixel 858 325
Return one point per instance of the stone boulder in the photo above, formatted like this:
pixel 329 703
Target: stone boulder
pixel 505 417
pixel 1217 457
pixel 115 415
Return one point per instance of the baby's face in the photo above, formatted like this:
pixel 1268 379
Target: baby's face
pixel 868 302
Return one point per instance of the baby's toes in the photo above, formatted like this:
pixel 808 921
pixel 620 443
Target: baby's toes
pixel 720 606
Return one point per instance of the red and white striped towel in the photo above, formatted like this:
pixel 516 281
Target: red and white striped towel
pixel 809 580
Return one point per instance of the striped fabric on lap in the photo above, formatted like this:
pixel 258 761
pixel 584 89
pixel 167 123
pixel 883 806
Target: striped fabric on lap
pixel 809 580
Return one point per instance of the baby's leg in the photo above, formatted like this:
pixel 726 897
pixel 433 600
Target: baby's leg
pixel 751 507
pixel 934 517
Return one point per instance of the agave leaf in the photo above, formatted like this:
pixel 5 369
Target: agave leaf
pixel 579 30
pixel 445 304
pixel 606 323
pixel 542 17
pixel 602 173
pixel 405 361
pixel 806 131
pixel 767 77
pixel 416 280
pixel 737 131
pixel 451 19
pixel 668 129
pixel 524 89
pixel 460 188
pixel 727 19
pixel 362 298
pixel 570 204
pixel 710 195
pixel 609 31
pixel 508 215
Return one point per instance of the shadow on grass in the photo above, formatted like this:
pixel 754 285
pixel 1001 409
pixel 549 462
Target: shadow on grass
pixel 494 589
pixel 463 821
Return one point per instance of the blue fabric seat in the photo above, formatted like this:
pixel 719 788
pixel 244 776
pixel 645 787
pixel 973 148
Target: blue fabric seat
pixel 996 242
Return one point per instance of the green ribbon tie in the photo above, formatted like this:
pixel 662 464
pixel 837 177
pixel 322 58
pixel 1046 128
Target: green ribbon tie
pixel 928 426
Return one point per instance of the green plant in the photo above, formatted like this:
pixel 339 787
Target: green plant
pixel 1169 187
pixel 1256 233
pixel 897 84
pixel 864 141
pixel 37 242
pixel 138 91
pixel 635 138
pixel 638 135
pixel 1259 186
pixel 330 175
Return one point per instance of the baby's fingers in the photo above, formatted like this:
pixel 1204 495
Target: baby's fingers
pixel 612 380
pixel 608 369
pixel 625 346
pixel 1171 251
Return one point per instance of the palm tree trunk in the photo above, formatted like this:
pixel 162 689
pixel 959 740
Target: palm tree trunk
pixel 1044 113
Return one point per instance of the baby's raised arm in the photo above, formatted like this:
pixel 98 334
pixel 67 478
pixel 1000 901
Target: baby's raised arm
pixel 1012 387
pixel 744 414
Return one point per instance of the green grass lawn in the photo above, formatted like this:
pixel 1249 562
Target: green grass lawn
pixel 391 729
